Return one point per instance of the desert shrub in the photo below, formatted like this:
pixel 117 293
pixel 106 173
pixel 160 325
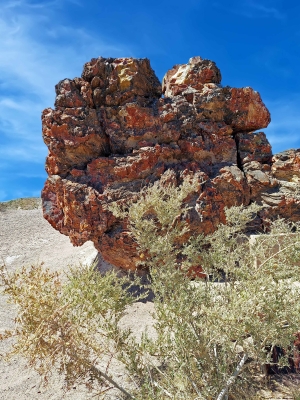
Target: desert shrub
pixel 211 334
pixel 249 304
pixel 67 324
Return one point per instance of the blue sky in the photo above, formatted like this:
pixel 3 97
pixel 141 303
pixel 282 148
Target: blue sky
pixel 254 42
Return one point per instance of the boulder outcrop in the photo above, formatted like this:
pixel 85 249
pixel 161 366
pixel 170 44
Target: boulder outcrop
pixel 115 130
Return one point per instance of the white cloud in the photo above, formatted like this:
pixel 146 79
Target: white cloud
pixel 37 50
pixel 35 55
pixel 32 62
pixel 28 152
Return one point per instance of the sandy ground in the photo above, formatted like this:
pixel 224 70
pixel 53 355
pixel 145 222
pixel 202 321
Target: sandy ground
pixel 25 239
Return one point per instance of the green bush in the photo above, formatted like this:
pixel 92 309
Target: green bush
pixel 212 335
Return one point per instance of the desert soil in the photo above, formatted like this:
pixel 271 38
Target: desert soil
pixel 26 239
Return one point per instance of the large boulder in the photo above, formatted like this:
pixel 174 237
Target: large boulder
pixel 115 130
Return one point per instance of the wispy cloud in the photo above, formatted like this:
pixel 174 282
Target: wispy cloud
pixel 264 11
pixel 35 54
pixel 257 9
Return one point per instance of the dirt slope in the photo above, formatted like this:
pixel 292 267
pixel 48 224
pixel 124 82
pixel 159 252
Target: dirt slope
pixel 25 239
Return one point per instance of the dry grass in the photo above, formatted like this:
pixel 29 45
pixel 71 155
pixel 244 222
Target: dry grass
pixel 285 387
pixel 28 203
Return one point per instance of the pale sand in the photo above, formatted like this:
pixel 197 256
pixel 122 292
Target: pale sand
pixel 25 239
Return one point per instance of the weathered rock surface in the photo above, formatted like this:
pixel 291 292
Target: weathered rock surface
pixel 112 132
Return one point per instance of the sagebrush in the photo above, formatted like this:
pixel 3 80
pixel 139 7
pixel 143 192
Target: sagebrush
pixel 212 335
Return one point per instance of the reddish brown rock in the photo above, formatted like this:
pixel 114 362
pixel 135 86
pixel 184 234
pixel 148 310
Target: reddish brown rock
pixel 192 75
pixel 116 81
pixel 253 147
pixel 286 165
pixel 74 137
pixel 111 133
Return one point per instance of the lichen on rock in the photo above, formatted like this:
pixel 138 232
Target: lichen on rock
pixel 112 133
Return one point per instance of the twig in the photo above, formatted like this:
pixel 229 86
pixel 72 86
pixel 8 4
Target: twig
pixel 195 387
pixel 164 390
pixel 99 374
pixel 278 252
pixel 233 377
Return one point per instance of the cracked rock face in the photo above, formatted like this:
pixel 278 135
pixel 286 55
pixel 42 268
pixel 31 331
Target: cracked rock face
pixel 112 133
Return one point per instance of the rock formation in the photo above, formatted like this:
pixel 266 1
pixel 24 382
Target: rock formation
pixel 112 132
